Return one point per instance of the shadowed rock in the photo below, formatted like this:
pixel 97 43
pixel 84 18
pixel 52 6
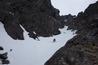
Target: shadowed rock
pixel 4 57
pixel 36 15
pixel 1 48
pixel 82 48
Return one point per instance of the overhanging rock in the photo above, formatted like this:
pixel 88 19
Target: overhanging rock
pixel 37 16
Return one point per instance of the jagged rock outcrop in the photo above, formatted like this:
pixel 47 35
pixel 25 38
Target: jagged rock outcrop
pixel 37 16
pixel 81 49
pixel 3 57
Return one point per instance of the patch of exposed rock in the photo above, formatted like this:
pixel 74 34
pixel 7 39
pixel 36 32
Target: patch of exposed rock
pixel 3 57
pixel 81 49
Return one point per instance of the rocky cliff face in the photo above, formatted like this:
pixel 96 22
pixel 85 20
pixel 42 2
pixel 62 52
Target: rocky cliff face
pixel 81 49
pixel 3 57
pixel 38 17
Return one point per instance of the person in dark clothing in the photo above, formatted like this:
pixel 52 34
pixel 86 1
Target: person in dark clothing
pixel 54 40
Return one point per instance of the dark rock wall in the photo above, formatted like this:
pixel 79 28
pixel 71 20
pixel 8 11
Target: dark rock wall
pixel 83 48
pixel 3 57
pixel 40 17
pixel 37 16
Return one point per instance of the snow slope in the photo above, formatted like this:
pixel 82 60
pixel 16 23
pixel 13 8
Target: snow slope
pixel 33 52
pixel 30 51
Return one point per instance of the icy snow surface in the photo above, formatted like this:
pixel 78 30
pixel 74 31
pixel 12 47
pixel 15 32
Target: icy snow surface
pixel 30 51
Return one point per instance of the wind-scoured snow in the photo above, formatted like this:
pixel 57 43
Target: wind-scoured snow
pixel 30 51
